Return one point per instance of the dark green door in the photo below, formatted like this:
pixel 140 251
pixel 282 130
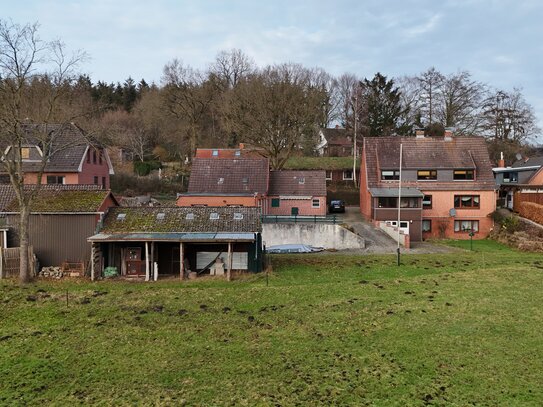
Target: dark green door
pixel 294 211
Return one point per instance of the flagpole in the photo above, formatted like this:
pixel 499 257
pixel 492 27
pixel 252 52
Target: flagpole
pixel 399 201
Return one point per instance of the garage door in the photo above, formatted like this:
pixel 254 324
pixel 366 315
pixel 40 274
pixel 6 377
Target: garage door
pixel 239 259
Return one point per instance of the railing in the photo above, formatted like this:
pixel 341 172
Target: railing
pixel 299 219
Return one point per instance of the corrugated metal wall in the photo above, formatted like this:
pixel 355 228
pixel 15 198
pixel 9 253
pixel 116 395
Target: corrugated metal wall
pixel 56 238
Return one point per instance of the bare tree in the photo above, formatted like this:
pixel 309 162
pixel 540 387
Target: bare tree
pixel 187 96
pixel 36 80
pixel 231 66
pixel 430 84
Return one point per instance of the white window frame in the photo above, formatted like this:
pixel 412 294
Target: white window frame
pixel 313 203
pixel 347 179
pixel 328 178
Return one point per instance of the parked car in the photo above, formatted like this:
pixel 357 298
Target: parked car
pixel 336 205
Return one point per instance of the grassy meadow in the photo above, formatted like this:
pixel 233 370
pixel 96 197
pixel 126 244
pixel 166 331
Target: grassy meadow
pixel 445 329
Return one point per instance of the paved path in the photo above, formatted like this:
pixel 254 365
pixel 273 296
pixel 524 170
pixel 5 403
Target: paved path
pixel 379 242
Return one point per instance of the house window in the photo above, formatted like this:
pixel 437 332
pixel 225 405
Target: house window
pixel 390 175
pixel 213 216
pixel 409 203
pixel 215 153
pixel 189 216
pixel 462 175
pixel 95 180
pixel 347 175
pixel 55 179
pixel 25 153
pixel 510 177
pixel 328 175
pixel 387 202
pixel 94 157
pixel 301 180
pixel 426 175
pixel 466 201
pixel 238 216
pixel 316 203
pixel 426 225
pixel 104 182
pixel 466 225
pixel 427 202
pixel 88 156
pixel 275 202
pixel 160 216
pixel 237 153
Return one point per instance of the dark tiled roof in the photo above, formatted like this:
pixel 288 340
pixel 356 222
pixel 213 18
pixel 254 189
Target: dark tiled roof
pixel 175 220
pixel 529 162
pixel 302 183
pixel 337 137
pixel 430 153
pixel 228 176
pixel 64 200
pixel 68 149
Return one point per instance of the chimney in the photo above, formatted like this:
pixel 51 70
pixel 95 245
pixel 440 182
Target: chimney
pixel 448 134
pixel 241 146
pixel 337 126
pixel 501 162
pixel 419 133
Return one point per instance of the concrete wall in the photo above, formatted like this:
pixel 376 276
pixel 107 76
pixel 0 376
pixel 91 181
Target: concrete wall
pixel 393 233
pixel 320 235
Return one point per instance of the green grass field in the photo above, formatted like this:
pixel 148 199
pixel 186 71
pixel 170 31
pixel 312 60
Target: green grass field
pixel 452 329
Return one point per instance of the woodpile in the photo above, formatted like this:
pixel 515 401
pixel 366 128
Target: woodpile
pixel 51 272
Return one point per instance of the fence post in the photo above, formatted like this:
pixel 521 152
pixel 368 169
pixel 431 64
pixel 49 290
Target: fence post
pixel 1 263
pixel 334 219
pixel 314 218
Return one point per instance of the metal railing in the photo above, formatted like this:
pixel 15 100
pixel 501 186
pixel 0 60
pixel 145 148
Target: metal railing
pixel 333 219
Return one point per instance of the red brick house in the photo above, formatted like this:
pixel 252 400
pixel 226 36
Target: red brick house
pixel 335 142
pixel 448 188
pixel 79 160
pixel 226 182
pixel 294 193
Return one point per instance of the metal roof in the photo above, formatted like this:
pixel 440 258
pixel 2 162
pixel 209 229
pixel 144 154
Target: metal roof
pixel 393 192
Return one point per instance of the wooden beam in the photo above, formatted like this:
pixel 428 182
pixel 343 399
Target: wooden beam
pixel 1 263
pixel 181 261
pixel 153 269
pixel 92 262
pixel 229 272
pixel 146 261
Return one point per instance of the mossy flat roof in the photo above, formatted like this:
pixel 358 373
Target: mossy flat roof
pixel 320 163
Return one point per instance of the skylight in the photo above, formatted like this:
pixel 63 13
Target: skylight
pixel 238 216
pixel 301 180
pixel 213 216
pixel 160 216
pixel 245 180
pixel 220 181
pixel 121 216
pixel 190 216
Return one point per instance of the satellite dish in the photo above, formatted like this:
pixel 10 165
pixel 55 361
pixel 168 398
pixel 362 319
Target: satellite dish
pixel 518 156
pixel 452 212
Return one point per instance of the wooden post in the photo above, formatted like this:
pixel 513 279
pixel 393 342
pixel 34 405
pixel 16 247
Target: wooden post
pixel 1 263
pixel 181 261
pixel 229 273
pixel 92 262
pixel 152 260
pixel 146 261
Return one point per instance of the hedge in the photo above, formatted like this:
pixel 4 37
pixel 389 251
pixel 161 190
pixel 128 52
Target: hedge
pixel 532 211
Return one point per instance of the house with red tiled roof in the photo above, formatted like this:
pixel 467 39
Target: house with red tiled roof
pixel 226 182
pixel 447 185
pixel 294 193
pixel 75 158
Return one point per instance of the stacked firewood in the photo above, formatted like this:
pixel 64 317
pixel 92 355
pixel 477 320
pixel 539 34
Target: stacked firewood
pixel 51 272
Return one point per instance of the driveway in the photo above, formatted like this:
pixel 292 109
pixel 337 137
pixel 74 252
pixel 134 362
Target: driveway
pixel 379 242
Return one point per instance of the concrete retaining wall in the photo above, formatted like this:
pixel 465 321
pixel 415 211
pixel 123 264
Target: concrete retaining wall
pixel 393 233
pixel 320 235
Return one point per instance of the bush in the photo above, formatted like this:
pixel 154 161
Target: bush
pixel 532 211
pixel 132 185
pixel 143 168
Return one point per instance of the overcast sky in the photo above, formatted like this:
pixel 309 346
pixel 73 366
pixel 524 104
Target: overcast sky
pixel 499 41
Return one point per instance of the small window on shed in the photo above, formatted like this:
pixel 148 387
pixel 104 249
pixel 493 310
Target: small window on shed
pixel 213 216
pixel 160 216
pixel 215 153
pixel 301 180
pixel 238 216
pixel 121 216
pixel 220 181
pixel 190 216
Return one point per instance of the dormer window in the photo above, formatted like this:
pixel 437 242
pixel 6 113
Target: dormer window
pixel 426 175
pixel 238 216
pixel 189 216
pixel 510 177
pixel 213 216
pixel 463 175
pixel 25 153
pixel 390 175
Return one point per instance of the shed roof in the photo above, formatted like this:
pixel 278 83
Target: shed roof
pixel 182 220
pixel 300 183
pixel 529 162
pixel 229 176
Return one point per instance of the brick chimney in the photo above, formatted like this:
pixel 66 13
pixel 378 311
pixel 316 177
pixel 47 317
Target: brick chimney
pixel 419 133
pixel 448 136
pixel 241 146
pixel 501 162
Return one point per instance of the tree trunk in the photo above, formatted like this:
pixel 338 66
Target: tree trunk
pixel 25 276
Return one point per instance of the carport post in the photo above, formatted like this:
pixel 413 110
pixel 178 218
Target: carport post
pixel 146 261
pixel 92 261
pixel 181 262
pixel 229 273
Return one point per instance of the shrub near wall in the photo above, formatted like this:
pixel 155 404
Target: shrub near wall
pixel 532 211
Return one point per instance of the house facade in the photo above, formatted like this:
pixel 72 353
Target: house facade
pixel 175 241
pixel 296 193
pixel 524 174
pixel 76 159
pixel 61 220
pixel 335 142
pixel 447 187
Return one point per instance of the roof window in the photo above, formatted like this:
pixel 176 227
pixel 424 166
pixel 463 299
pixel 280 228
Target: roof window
pixel 237 153
pixel 220 181
pixel 301 180
pixel 238 216
pixel 160 216
pixel 215 153
pixel 189 216
pixel 213 216
pixel 121 216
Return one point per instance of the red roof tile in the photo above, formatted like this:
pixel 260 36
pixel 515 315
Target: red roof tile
pixel 301 183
